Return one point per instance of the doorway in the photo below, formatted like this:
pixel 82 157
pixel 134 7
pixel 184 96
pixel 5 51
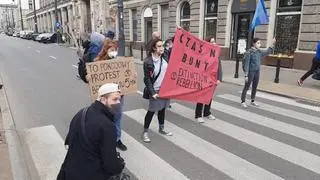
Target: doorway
pixel 241 38
pixel 148 29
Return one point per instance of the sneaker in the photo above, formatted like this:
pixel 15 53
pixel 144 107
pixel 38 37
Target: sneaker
pixel 121 146
pixel 254 104
pixel 200 120
pixel 211 117
pixel 244 105
pixel 299 82
pixel 163 132
pixel 145 137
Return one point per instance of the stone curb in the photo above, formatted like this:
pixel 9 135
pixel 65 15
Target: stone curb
pixel 18 163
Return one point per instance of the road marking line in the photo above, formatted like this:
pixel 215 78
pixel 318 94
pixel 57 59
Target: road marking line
pixel 37 51
pixel 152 166
pixel 282 150
pixel 228 163
pixel 275 124
pixel 75 66
pixel 52 57
pixel 278 110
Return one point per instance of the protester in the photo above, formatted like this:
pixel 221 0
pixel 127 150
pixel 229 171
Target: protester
pixel 91 140
pixel 206 110
pixel 168 44
pixel 109 51
pixel 110 34
pixel 251 68
pixel 315 65
pixel 155 35
pixel 155 67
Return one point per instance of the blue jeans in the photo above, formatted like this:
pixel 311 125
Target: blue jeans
pixel 117 120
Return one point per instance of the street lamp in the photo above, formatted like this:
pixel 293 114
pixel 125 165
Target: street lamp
pixel 35 16
pixel 121 50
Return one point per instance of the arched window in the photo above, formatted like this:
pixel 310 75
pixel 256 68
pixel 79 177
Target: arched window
pixel 210 17
pixel 185 15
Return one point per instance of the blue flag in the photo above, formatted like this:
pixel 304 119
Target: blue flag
pixel 260 16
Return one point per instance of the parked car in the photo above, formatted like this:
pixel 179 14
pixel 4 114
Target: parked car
pixel 29 35
pixel 51 38
pixel 34 36
pixel 39 38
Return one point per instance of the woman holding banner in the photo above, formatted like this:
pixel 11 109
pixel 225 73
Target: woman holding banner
pixel 154 67
pixel 206 110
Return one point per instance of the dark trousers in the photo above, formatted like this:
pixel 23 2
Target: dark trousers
pixel 315 65
pixel 206 111
pixel 149 116
pixel 253 77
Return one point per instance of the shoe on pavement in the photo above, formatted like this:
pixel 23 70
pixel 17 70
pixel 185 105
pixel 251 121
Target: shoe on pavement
pixel 299 82
pixel 244 105
pixel 121 146
pixel 163 132
pixel 211 117
pixel 254 104
pixel 145 137
pixel 200 120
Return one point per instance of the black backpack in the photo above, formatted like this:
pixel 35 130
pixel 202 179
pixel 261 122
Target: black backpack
pixel 82 71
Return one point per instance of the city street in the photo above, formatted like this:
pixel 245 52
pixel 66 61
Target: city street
pixel 278 140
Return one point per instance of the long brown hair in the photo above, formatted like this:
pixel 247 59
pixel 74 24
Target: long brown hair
pixel 153 46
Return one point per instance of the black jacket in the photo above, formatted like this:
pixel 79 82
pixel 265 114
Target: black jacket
pixel 148 69
pixel 97 160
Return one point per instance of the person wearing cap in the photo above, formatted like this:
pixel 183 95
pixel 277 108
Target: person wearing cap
pixel 91 139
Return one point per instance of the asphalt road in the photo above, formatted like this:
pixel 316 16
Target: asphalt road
pixel 278 140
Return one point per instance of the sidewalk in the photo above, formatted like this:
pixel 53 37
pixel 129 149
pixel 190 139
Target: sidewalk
pixel 308 93
pixel 5 166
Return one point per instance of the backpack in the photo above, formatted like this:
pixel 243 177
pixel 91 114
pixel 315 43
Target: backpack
pixel 82 71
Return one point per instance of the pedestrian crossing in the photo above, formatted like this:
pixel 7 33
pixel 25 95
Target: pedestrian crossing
pixel 241 151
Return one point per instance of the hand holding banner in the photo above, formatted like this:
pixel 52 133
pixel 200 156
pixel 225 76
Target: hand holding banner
pixel 120 70
pixel 192 70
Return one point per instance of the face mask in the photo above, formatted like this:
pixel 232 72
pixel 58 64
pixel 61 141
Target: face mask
pixel 112 54
pixel 115 108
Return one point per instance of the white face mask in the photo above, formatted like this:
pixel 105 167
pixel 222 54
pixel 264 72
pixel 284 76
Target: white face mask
pixel 112 54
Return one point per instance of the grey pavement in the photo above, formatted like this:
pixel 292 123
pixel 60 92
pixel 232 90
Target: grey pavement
pixel 278 140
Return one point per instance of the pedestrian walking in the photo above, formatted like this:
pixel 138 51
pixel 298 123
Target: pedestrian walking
pixel 315 65
pixel 251 68
pixel 155 67
pixel 91 140
pixel 203 110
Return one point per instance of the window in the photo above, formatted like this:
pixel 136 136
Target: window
pixel 287 25
pixel 134 25
pixel 185 15
pixel 210 20
pixel 289 5
pixel 165 22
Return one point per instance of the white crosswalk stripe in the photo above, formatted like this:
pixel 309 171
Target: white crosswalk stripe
pixel 269 145
pixel 282 151
pixel 278 110
pixel 151 166
pixel 268 122
pixel 284 100
pixel 228 163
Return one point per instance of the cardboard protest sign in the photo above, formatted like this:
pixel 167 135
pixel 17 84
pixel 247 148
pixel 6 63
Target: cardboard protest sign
pixel 120 70
pixel 192 70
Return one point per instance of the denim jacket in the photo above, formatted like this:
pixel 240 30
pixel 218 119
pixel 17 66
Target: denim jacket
pixel 252 59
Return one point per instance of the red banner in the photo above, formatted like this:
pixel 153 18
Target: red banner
pixel 192 71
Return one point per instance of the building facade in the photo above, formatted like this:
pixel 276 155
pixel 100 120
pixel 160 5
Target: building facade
pixel 294 23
